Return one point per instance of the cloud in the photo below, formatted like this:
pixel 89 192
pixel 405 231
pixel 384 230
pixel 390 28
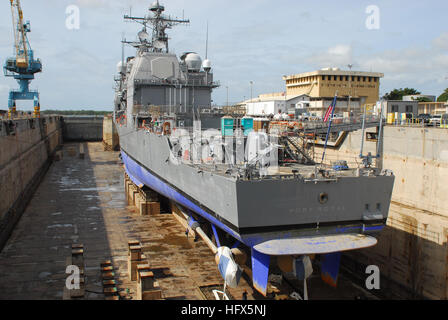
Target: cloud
pixel 408 63
pixel 425 67
pixel 92 3
pixel 339 55
pixel 441 42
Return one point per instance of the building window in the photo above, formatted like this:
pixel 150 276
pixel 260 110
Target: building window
pixel 341 78
pixel 323 77
pixel 346 78
pixel 394 108
pixel 408 108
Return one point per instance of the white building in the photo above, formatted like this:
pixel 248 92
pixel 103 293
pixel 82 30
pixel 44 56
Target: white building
pixel 274 103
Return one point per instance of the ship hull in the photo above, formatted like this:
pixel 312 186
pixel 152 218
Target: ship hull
pixel 255 212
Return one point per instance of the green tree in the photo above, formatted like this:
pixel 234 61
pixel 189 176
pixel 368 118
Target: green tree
pixel 443 97
pixel 423 99
pixel 397 94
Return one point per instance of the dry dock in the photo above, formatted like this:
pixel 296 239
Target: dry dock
pixel 83 201
pixel 51 200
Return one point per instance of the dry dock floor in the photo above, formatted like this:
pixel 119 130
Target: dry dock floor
pixel 82 201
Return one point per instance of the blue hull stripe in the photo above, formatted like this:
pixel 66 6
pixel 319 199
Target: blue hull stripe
pixel 134 179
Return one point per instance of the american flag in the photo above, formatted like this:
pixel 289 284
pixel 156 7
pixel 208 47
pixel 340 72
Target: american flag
pixel 329 115
pixel 329 112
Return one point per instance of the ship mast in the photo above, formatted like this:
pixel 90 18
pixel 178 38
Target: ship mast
pixel 158 22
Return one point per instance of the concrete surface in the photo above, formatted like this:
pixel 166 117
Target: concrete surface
pixel 26 146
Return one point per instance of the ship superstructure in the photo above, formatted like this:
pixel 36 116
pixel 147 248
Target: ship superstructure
pixel 155 81
pixel 228 176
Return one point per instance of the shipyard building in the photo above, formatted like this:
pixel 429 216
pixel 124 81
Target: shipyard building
pixel 314 91
pixel 321 85
pixel 399 106
pixel 435 108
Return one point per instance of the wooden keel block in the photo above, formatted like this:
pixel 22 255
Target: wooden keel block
pixel 147 280
pixel 132 268
pixel 132 243
pixel 107 269
pixel 106 263
pixel 78 258
pixel 147 287
pixel 108 275
pixel 111 291
pixel 135 252
pixel 144 267
pixel 154 208
pixel 109 283
pixel 78 293
pixel 155 294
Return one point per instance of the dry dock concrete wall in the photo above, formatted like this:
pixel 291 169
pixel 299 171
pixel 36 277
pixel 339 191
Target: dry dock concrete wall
pixel 419 159
pixel 412 252
pixel 26 151
pixel 111 140
pixel 26 147
pixel 82 128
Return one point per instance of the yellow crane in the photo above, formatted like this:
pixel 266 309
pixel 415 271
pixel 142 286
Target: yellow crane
pixel 23 66
pixel 20 29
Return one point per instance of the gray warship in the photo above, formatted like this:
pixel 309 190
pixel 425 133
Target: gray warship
pixel 173 142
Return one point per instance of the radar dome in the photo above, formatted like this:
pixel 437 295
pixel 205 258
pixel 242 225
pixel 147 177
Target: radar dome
pixel 156 6
pixel 207 65
pixel 193 61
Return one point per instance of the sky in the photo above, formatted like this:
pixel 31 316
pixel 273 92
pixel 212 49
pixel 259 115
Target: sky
pixel 252 40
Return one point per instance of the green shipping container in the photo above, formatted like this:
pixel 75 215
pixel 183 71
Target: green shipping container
pixel 248 125
pixel 227 126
